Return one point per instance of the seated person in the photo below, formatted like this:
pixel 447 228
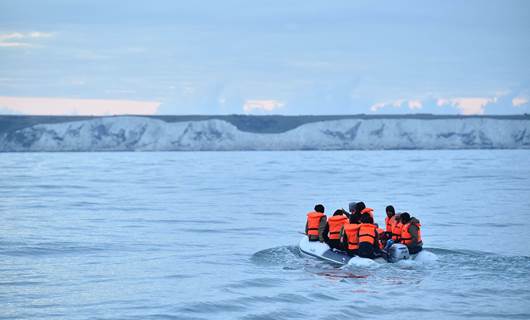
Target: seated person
pixel 368 237
pixel 370 211
pixel 411 233
pixel 396 227
pixel 332 230
pixel 390 220
pixel 316 222
pixel 349 236
pixel 383 237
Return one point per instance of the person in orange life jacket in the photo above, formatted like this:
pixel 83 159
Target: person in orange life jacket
pixel 355 211
pixel 396 227
pixel 390 220
pixel 411 233
pixel 370 211
pixel 359 207
pixel 382 236
pixel 333 227
pixel 349 235
pixel 316 222
pixel 368 237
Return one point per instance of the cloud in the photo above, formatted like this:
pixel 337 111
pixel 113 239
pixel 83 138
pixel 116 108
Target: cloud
pixel 502 103
pixel 467 105
pixel 413 104
pixel 377 106
pixel 519 101
pixel 65 106
pixel 14 44
pixel 40 34
pixel 18 39
pixel 9 36
pixel 262 105
pixel 8 40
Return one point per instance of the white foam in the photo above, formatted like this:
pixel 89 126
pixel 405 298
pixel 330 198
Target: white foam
pixel 313 247
pixel 426 257
pixel 362 262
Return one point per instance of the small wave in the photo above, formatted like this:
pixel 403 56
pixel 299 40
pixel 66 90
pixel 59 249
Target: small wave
pixel 212 307
pixel 341 274
pixel 288 257
pixel 287 313
pixel 258 283
pixel 475 254
pixel 20 283
pixel 48 248
pixel 172 221
pixel 444 252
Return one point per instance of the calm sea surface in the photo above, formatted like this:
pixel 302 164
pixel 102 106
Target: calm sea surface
pixel 213 235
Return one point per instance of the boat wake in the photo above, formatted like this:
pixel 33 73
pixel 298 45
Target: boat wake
pixel 286 257
pixel 291 258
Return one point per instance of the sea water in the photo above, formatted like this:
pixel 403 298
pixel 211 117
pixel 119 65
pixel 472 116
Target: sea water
pixel 213 235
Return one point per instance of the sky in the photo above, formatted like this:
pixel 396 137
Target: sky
pixel 71 57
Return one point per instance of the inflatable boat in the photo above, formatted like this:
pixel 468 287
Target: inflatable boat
pixel 395 253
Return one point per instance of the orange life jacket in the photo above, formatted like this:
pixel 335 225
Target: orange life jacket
pixel 335 223
pixel 380 232
pixel 370 211
pixel 367 233
pixel 396 231
pixel 351 232
pixel 313 222
pixel 406 237
pixel 389 222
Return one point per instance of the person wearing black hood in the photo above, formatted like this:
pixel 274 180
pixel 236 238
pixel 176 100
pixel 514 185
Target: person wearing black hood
pixel 349 239
pixel 411 233
pixel 355 211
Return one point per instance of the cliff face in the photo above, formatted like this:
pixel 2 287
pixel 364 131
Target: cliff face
pixel 148 134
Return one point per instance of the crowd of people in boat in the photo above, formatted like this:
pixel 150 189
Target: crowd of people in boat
pixel 356 233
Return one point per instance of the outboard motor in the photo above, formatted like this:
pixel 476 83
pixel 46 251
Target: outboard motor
pixel 398 251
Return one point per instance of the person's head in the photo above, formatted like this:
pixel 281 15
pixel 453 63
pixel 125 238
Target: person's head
pixel 390 211
pixel 351 206
pixel 405 217
pixel 367 210
pixel 338 212
pixel 366 218
pixel 359 206
pixel 355 218
pixel 319 208
pixel 398 217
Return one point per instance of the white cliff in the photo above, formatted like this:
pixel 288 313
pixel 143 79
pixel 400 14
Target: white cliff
pixel 148 134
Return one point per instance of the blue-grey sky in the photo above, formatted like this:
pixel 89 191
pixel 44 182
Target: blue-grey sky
pixel 280 57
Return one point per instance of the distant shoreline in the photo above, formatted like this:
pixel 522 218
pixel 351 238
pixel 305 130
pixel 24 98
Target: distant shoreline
pixel 241 132
pixel 246 123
